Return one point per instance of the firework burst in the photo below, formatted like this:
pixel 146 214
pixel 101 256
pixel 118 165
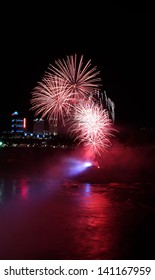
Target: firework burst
pixel 81 79
pixel 62 87
pixel 69 91
pixel 51 99
pixel 92 126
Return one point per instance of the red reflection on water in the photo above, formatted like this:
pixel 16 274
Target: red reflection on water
pixel 74 223
pixel 24 188
pixel 95 226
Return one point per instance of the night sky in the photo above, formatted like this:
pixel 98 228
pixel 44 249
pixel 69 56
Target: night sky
pixel 121 45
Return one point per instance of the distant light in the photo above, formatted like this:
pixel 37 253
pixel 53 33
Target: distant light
pixel 15 113
pixel 76 166
pixel 87 164
pixel 24 123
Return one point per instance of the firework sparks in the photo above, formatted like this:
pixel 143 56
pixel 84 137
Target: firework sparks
pixel 92 126
pixel 69 91
pixel 108 104
pixel 51 99
pixel 81 80
pixel 62 87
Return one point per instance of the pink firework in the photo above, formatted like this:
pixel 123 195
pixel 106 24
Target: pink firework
pixel 63 87
pixel 51 99
pixel 81 80
pixel 92 126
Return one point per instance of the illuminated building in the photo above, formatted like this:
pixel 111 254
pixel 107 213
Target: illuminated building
pixel 38 126
pixel 53 127
pixel 18 125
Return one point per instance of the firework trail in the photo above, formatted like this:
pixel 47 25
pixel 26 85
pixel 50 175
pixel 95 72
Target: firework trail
pixel 105 96
pixel 111 108
pixel 106 103
pixel 92 127
pixel 110 105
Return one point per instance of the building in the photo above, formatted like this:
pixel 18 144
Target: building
pixel 18 125
pixel 53 127
pixel 38 126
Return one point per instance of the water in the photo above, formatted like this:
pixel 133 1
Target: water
pixel 51 218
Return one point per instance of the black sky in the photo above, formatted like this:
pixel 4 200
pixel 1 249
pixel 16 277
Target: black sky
pixel 121 45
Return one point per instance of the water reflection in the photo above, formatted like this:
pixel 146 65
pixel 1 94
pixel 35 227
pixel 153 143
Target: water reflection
pixel 10 188
pixel 24 188
pixel 1 189
pixel 92 225
pixel 46 218
pixel 87 188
